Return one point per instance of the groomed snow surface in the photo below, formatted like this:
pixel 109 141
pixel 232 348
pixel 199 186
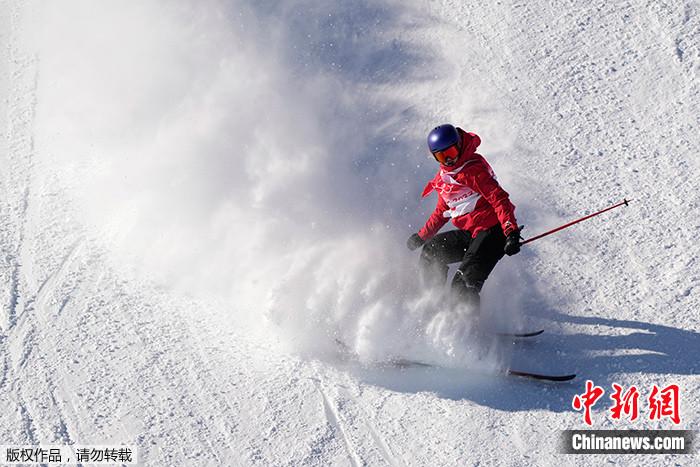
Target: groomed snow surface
pixel 198 198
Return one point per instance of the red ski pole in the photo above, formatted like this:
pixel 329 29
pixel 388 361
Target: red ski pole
pixel 624 201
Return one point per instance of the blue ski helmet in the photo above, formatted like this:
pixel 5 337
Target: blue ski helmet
pixel 442 137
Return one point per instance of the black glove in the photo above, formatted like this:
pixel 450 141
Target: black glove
pixel 512 245
pixel 414 241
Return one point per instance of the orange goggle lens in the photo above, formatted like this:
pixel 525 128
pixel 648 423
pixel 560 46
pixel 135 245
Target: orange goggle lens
pixel 447 156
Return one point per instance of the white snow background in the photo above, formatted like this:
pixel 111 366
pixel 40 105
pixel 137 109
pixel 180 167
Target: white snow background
pixel 199 197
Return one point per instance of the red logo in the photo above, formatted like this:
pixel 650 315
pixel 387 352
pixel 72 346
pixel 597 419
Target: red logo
pixel 587 400
pixel 662 402
pixel 667 405
pixel 626 402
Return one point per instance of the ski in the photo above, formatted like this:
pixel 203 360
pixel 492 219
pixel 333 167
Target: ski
pixel 519 334
pixel 405 363
pixel 540 377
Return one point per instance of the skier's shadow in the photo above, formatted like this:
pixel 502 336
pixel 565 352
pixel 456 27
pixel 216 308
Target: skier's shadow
pixel 600 357
pixel 644 348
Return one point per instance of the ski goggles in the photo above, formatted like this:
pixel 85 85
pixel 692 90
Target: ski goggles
pixel 447 156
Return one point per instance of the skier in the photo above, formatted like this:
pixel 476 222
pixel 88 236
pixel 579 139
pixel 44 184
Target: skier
pixel 480 209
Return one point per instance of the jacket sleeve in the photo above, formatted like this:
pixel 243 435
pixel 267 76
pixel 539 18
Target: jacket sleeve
pixel 435 221
pixel 482 180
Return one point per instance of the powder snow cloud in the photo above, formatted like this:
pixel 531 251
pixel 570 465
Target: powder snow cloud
pixel 264 152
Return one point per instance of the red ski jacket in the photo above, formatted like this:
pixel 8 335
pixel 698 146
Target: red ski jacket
pixel 469 194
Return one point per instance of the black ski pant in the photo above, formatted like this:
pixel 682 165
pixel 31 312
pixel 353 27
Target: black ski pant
pixel 477 256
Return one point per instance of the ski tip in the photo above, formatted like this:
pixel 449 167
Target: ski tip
pixel 520 334
pixel 541 377
pixel 563 377
pixel 530 334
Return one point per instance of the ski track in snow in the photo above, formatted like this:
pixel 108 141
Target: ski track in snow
pixel 336 427
pixel 93 357
pixel 346 415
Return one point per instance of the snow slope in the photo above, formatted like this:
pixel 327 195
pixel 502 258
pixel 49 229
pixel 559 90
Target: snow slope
pixel 196 197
